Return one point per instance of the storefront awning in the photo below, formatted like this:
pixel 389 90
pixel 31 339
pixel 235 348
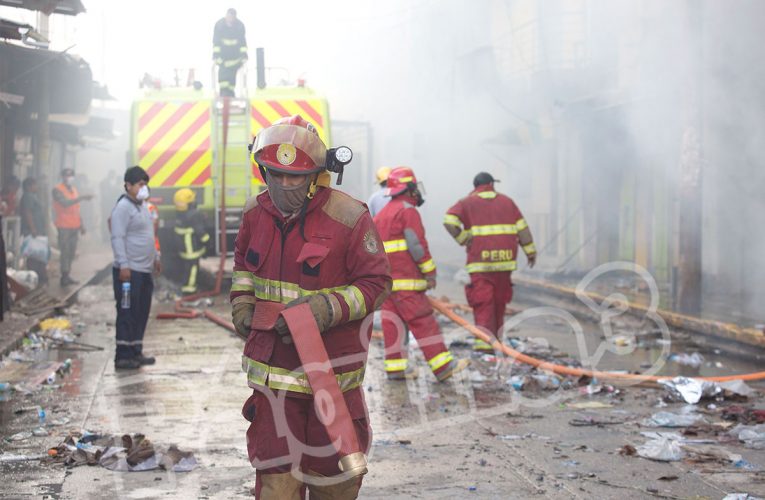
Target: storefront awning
pixel 66 7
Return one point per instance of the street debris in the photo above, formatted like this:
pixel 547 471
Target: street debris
pixel 743 415
pixel 126 453
pixel 591 421
pixel 690 390
pixel 661 450
pixel 668 419
pixel 589 405
pixel 753 436
pixel 694 359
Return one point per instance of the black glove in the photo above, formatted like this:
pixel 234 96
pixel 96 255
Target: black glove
pixel 321 307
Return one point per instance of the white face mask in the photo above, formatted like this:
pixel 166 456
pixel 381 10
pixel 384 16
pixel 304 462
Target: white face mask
pixel 143 193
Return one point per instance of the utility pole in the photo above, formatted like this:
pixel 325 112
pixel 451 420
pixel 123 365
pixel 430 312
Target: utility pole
pixel 689 292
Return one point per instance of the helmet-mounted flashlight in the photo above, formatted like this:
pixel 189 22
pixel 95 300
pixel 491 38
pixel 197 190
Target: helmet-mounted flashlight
pixel 337 159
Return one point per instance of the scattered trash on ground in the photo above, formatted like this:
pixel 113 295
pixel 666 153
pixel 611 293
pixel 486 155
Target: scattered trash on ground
pixel 743 415
pixel 690 390
pixel 753 436
pixel 661 450
pixel 668 419
pixel 589 405
pixel 695 359
pixel 126 453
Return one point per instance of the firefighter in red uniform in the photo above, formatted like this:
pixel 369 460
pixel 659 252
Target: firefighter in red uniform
pixel 490 226
pixel 303 242
pixel 413 273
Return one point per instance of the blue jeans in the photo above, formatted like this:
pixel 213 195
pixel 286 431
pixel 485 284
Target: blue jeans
pixel 131 323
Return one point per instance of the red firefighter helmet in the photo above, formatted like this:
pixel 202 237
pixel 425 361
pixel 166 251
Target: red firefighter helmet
pixel 399 180
pixel 290 145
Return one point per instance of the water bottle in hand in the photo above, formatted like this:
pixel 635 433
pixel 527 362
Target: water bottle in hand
pixel 126 295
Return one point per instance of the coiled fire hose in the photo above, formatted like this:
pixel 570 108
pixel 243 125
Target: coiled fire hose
pixel 448 311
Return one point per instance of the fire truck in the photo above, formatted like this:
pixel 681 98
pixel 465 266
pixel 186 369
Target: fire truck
pixel 179 136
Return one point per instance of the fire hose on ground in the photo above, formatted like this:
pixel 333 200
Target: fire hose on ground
pixel 447 310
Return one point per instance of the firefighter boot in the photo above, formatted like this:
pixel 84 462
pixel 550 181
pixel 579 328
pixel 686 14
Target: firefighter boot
pixel 408 374
pixel 345 490
pixel 455 366
pixel 283 486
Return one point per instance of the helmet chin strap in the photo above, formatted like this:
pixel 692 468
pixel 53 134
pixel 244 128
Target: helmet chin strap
pixel 323 179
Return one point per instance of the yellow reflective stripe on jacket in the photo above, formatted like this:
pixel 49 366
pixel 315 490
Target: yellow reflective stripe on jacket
pixel 396 365
pixel 355 300
pixel 452 220
pixel 494 229
pixel 487 195
pixel 231 62
pixel 521 224
pixel 392 246
pixel 261 374
pixel 440 360
pixel 285 292
pixel 427 266
pixel 491 267
pixel 530 248
pixel 188 243
pixel 205 238
pixel 229 41
pixel 409 285
pixel 242 281
pixel 242 49
pixel 216 49
pixel 462 237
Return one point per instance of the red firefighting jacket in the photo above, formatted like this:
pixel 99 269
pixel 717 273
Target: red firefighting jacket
pixel 495 222
pixel 400 227
pixel 336 251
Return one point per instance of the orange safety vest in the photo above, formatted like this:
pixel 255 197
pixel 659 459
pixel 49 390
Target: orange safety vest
pixel 67 217
pixel 154 211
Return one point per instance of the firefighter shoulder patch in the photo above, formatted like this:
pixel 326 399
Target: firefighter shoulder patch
pixel 344 209
pixel 370 242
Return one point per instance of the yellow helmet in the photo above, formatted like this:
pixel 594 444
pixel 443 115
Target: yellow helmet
pixel 382 174
pixel 183 198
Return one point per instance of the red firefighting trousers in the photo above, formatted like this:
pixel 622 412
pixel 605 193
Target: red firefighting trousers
pixel 285 433
pixel 488 294
pixel 412 310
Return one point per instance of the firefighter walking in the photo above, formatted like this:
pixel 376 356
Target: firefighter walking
pixel 303 243
pixel 490 226
pixel 229 51
pixel 413 272
pixel 191 237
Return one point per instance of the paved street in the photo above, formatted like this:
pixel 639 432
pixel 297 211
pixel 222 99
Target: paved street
pixel 470 437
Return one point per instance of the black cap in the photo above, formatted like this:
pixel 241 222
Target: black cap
pixel 67 171
pixel 483 178
pixel 135 174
